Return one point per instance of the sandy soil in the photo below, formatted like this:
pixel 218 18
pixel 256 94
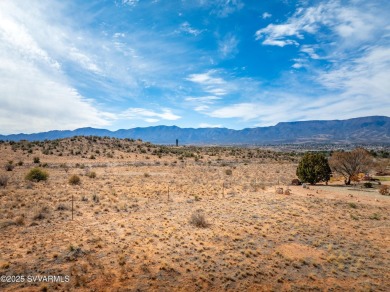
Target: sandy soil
pixel 131 229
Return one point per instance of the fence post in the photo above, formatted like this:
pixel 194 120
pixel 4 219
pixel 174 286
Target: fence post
pixel 72 207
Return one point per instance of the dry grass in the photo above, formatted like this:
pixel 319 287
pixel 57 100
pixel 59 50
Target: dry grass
pixel 128 234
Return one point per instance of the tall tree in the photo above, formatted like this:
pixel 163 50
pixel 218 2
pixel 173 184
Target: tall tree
pixel 313 168
pixel 350 164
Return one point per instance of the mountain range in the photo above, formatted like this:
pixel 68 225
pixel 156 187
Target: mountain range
pixel 364 130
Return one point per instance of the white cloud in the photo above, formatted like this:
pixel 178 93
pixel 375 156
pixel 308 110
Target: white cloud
pixel 83 60
pixel 224 8
pixel 148 115
pixel 309 50
pixel 35 94
pixel 119 35
pixel 40 38
pixel 210 83
pixel 365 76
pixel 227 47
pixel 353 22
pixel 34 101
pixel 15 36
pixel 151 120
pixel 266 15
pixel 186 28
pixel 203 99
pixel 282 109
pixel 201 108
pixel 352 37
pixel 130 2
pixel 206 78
pixel 203 103
pixel 206 125
pixel 359 88
pixel 222 87
pixel 279 43
pixel 298 64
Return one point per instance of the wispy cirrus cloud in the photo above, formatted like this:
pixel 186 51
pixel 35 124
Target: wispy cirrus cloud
pixel 364 76
pixel 228 46
pixel 202 103
pixel 34 90
pixel 186 28
pixel 289 107
pixel 195 57
pixel 203 99
pixel 87 70
pixel 130 2
pixel 38 101
pixel 149 115
pixel 224 8
pixel 210 82
pixel 347 21
pixel 350 39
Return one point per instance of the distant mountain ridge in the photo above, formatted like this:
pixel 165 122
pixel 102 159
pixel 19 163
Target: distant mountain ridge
pixel 373 129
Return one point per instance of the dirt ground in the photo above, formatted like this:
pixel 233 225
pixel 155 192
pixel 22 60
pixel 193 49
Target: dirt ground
pixel 131 228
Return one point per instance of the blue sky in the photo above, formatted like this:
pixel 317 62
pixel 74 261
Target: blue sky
pixel 226 63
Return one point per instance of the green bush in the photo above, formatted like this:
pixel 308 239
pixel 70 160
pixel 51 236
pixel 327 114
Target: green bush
pixel 37 174
pixel 313 168
pixel 368 185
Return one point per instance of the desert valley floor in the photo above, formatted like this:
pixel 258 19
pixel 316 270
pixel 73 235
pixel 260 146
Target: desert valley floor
pixel 131 228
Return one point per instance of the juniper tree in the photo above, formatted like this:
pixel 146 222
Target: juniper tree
pixel 313 168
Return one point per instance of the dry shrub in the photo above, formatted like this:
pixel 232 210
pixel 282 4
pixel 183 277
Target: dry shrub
pixel 384 190
pixel 74 180
pixel 9 167
pixel 3 180
pixel 19 220
pixel 41 213
pixel 287 192
pixel 6 223
pixel 65 167
pixel 228 172
pixel 296 182
pixel 62 207
pixel 279 191
pixel 91 174
pixel 198 219
pixel 37 174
